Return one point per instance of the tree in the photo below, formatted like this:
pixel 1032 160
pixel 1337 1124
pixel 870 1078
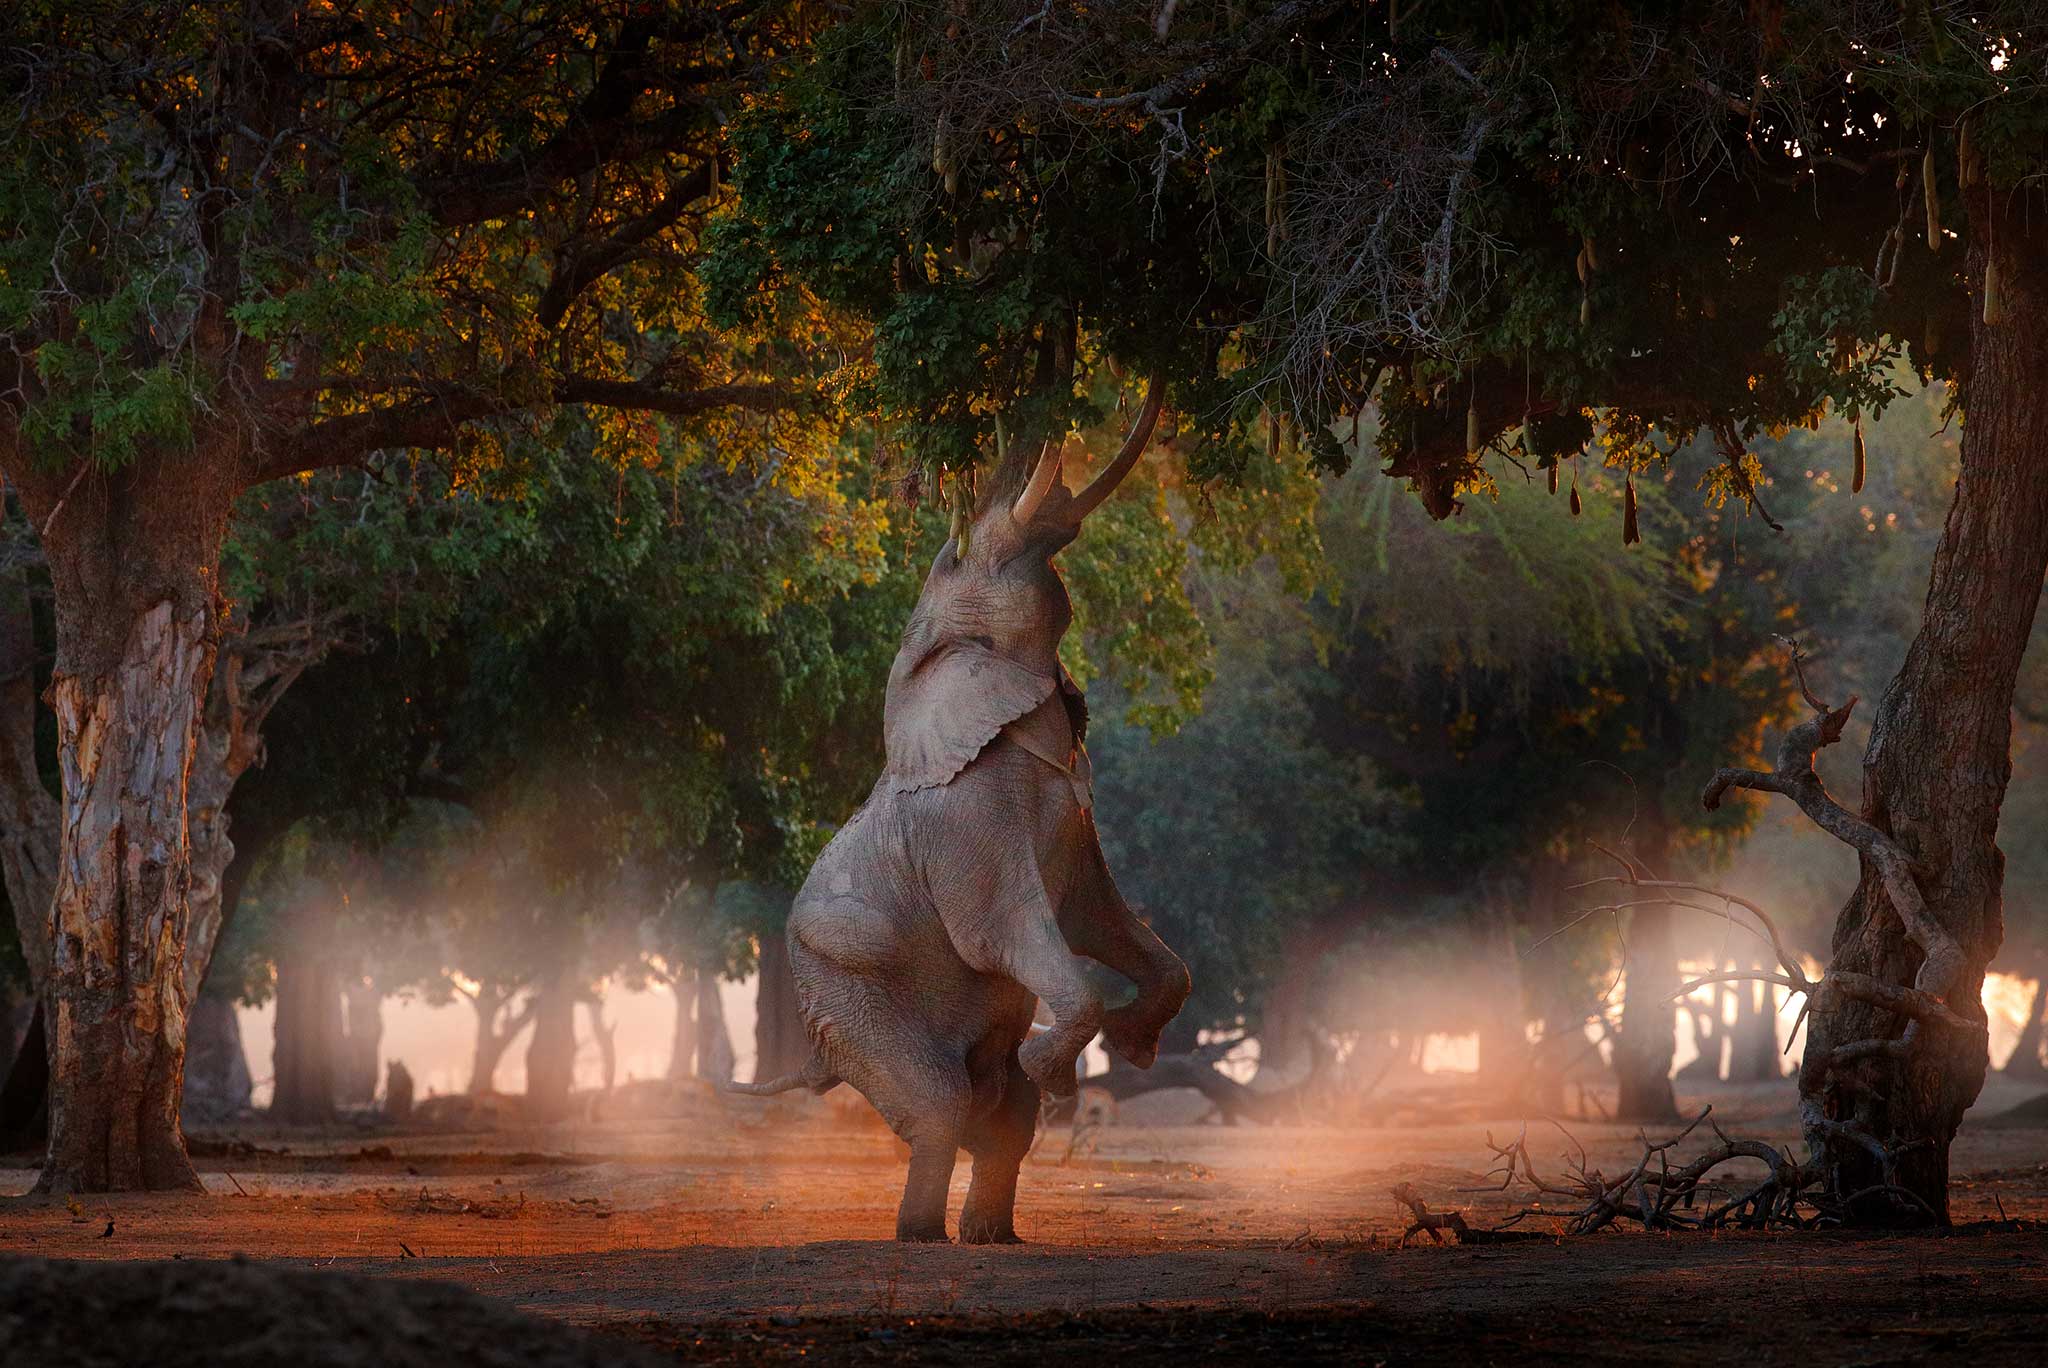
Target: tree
pixel 254 239
pixel 1486 220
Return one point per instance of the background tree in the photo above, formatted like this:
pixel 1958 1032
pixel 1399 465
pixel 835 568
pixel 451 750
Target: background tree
pixel 253 239
pixel 1486 220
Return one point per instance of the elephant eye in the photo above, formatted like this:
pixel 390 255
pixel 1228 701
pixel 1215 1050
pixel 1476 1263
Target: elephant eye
pixel 987 643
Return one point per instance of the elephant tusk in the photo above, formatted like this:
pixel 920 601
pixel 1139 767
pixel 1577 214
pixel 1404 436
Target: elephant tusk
pixel 1041 482
pixel 1089 499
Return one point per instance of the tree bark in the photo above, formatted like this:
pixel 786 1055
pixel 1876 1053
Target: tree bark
pixel 551 1054
pixel 116 993
pixel 1939 758
pixel 134 556
pixel 308 1034
pixel 1648 1038
pixel 781 1043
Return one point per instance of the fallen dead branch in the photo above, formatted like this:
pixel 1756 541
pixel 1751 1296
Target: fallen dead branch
pixel 1434 1223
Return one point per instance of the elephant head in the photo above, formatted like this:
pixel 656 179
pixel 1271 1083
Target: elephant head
pixel 982 646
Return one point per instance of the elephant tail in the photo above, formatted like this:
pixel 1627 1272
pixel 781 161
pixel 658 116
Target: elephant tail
pixel 815 1075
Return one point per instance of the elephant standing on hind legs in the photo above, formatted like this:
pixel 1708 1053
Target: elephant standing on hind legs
pixel 971 884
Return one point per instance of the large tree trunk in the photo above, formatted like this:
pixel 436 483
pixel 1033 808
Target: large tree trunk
pixel 1939 757
pixel 134 556
pixel 551 1055
pixel 308 1037
pixel 781 1043
pixel 116 993
pixel 1648 1039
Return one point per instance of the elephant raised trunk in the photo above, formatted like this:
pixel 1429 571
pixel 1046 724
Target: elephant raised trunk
pixel 971 884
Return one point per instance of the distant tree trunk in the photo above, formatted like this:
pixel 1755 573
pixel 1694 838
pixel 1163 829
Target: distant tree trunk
pixel 398 1092
pixel 217 1082
pixel 606 1034
pixel 1648 1039
pixel 308 1034
pixel 714 1046
pixel 252 675
pixel 781 1044
pixel 1286 1052
pixel 1753 1052
pixel 682 1048
pixel 2026 1062
pixel 1503 1064
pixel 1707 1039
pixel 362 1040
pixel 551 1054
pixel 492 1002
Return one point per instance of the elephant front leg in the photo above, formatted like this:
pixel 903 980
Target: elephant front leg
pixel 1099 924
pixel 1040 960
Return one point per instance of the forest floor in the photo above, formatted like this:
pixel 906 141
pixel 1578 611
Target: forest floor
pixel 752 1231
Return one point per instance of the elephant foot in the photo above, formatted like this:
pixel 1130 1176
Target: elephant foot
pixel 1136 1043
pixel 1051 1068
pixel 988 1233
pixel 916 1234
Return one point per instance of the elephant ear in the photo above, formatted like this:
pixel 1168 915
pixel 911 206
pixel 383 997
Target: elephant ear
pixel 943 708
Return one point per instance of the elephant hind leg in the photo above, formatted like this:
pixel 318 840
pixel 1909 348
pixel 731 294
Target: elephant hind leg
pixel 923 1095
pixel 999 1141
pixel 927 1107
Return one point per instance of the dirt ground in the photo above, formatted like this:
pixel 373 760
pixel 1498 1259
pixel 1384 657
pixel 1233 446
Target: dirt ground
pixel 755 1231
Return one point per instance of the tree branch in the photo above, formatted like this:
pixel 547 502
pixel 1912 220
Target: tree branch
pixel 431 423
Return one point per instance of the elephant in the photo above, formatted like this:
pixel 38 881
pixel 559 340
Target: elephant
pixel 971 884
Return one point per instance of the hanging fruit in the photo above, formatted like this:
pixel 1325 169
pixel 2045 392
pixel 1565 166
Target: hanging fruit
pixel 1933 196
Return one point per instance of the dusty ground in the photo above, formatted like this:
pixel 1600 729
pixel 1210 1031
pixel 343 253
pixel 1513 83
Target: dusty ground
pixel 756 1232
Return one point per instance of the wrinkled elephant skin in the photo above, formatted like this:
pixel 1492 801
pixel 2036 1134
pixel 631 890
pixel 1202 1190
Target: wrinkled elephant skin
pixel 971 883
